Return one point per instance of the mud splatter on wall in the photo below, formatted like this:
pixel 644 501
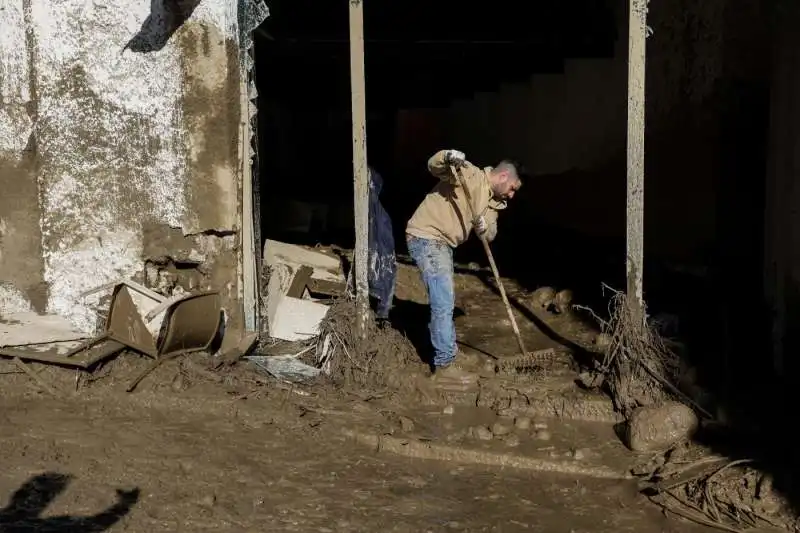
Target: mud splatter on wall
pixel 119 125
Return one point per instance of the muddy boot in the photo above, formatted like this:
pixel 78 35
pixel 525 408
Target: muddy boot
pixel 454 377
pixel 469 359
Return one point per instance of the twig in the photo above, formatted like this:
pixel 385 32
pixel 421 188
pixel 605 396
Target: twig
pixel 36 377
pixel 693 516
pixel 155 364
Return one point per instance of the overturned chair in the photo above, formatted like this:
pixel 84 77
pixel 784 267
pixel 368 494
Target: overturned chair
pixel 171 327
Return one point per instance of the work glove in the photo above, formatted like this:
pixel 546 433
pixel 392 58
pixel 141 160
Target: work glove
pixel 455 158
pixel 480 225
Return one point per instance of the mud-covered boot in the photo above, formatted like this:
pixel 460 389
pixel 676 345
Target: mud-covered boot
pixel 454 377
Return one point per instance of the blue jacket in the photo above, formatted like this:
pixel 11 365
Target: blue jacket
pixel 382 260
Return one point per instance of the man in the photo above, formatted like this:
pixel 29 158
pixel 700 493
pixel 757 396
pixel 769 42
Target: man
pixel 441 223
pixel 382 262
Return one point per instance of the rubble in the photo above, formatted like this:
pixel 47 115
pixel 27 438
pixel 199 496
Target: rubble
pixel 295 274
pixel 138 319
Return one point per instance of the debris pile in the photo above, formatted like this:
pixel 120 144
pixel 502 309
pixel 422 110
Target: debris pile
pixel 311 324
pixel 715 491
pixel 301 282
pixel 138 320
pixel 372 360
pixel 640 370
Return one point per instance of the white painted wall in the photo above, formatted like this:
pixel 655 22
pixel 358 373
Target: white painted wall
pixel 109 133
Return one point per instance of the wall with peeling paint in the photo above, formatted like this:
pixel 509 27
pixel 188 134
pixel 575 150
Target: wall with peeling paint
pixel 119 150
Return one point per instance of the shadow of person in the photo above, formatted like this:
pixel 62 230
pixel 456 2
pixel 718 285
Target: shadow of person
pixel 23 512
pixel 411 319
pixel 165 17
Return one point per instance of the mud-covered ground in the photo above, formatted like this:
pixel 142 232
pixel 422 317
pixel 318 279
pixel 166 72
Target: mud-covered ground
pixel 199 464
pixel 185 452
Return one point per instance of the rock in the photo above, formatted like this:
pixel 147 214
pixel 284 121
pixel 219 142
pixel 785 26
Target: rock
pixel 178 382
pixel 482 433
pixel 602 342
pixel 522 422
pixel 512 441
pixel 578 455
pixel 543 297
pixel 505 413
pixel 563 301
pixel 499 429
pixel 652 429
pixel 208 500
pixel 406 424
pixel 449 410
pixel 539 425
pixel 542 434
pixel 591 380
pixel 490 367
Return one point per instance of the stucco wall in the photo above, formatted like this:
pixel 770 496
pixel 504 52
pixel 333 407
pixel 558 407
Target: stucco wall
pixel 119 149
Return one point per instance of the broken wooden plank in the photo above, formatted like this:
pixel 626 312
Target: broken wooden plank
pixel 327 288
pixel 301 280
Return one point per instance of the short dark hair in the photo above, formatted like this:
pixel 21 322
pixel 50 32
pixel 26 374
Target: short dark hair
pixel 514 166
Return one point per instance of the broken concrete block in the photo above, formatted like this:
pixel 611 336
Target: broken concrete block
pixel 21 329
pixel 326 266
pixel 297 319
pixel 659 428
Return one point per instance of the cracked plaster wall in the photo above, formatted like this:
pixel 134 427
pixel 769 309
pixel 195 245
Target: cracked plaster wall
pixel 108 151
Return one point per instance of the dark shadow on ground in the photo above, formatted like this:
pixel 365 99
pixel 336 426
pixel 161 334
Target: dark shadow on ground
pixel 411 319
pixel 582 355
pixel 165 18
pixel 23 512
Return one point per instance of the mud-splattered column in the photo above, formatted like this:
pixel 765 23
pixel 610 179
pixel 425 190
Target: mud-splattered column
pixel 637 35
pixel 360 172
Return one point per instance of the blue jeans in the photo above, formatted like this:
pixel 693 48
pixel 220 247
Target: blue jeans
pixel 435 261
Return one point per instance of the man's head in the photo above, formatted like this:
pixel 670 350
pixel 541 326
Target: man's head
pixel 505 179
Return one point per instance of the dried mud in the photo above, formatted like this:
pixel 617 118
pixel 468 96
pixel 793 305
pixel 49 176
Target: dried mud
pixel 235 450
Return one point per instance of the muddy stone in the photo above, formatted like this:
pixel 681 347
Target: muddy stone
pixel 543 297
pixel 406 424
pixel 658 428
pixel 512 441
pixel 542 434
pixel 499 429
pixel 602 342
pixel 539 425
pixel 208 500
pixel 578 454
pixel 449 410
pixel 522 422
pixel 482 433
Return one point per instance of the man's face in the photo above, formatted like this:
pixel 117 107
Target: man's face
pixel 506 186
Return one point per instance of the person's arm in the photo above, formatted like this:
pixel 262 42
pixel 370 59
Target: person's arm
pixel 439 164
pixel 487 225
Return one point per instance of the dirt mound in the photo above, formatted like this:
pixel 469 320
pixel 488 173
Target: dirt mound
pixel 383 359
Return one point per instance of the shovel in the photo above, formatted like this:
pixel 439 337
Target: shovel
pixel 457 172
